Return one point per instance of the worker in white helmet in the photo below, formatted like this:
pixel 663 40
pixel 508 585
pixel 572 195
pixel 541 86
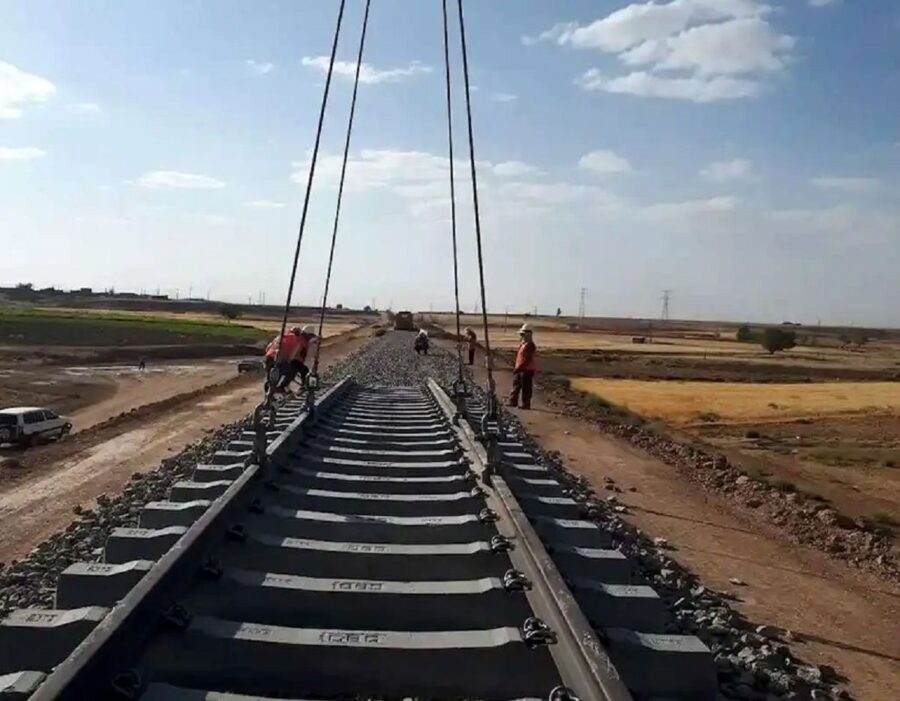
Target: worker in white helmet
pixel 526 366
pixel 421 343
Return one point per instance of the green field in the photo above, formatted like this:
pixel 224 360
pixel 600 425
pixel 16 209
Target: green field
pixel 31 327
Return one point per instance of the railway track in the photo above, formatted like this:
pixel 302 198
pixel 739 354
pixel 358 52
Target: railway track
pixel 375 556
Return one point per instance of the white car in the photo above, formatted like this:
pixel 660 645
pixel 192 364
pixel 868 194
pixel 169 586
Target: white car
pixel 28 425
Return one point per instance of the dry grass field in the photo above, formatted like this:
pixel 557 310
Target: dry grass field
pixel 822 417
pixel 683 403
pixel 715 342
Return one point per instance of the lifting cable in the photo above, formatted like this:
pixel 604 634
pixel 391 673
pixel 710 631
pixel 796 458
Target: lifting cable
pixel 309 182
pixel 258 454
pixel 492 398
pixel 337 213
pixel 460 383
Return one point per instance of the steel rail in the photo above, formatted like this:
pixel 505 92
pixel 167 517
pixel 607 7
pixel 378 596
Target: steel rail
pixel 124 630
pixel 584 665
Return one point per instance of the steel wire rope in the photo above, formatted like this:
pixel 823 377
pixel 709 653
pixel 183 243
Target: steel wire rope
pixel 484 315
pixel 452 190
pixel 340 193
pixel 309 182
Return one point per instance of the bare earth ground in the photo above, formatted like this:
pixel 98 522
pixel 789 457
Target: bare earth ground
pixel 844 618
pixel 37 499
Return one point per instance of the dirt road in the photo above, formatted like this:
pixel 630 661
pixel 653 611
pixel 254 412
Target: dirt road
pixel 35 504
pixel 842 617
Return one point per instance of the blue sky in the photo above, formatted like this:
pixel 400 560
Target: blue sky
pixel 745 154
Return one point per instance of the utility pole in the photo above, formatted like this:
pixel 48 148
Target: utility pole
pixel 581 306
pixel 505 318
pixel 667 296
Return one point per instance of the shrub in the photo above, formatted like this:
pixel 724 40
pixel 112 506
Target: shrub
pixel 744 334
pixel 775 339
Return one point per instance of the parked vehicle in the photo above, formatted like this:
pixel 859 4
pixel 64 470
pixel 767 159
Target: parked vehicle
pixel 28 425
pixel 403 321
pixel 249 366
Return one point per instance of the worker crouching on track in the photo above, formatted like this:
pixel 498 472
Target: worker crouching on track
pixel 291 361
pixel 421 343
pixel 526 366
pixel 472 344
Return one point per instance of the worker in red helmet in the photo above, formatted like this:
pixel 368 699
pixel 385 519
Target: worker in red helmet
pixel 523 372
pixel 289 355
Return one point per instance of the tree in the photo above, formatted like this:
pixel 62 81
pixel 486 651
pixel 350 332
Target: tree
pixel 25 286
pixel 338 306
pixel 775 339
pixel 744 334
pixel 367 308
pixel 558 312
pixel 230 312
pixel 860 337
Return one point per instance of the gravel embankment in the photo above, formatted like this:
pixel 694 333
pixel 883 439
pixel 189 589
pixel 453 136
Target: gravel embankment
pixel 753 661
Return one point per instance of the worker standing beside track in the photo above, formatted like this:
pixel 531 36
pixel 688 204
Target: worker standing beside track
pixel 523 372
pixel 472 343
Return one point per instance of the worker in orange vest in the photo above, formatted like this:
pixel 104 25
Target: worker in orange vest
pixel 523 372
pixel 472 342
pixel 293 347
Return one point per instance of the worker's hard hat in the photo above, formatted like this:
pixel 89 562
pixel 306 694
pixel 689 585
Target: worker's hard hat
pixel 526 328
pixel 296 330
pixel 469 329
pixel 423 332
pixel 308 330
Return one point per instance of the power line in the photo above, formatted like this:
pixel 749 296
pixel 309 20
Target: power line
pixel 666 298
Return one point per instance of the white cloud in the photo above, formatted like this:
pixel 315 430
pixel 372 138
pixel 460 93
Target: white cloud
pixel 734 47
pixel 18 87
pixel 28 153
pixel 699 50
pixel 604 163
pixel 85 108
pixel 260 67
pixel 695 88
pixel 641 22
pixel 264 204
pixel 823 3
pixel 723 171
pixel 852 185
pixel 510 189
pixel 214 219
pixel 514 169
pixel 689 208
pixel 367 73
pixel 504 97
pixel 175 179
pixel 553 193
